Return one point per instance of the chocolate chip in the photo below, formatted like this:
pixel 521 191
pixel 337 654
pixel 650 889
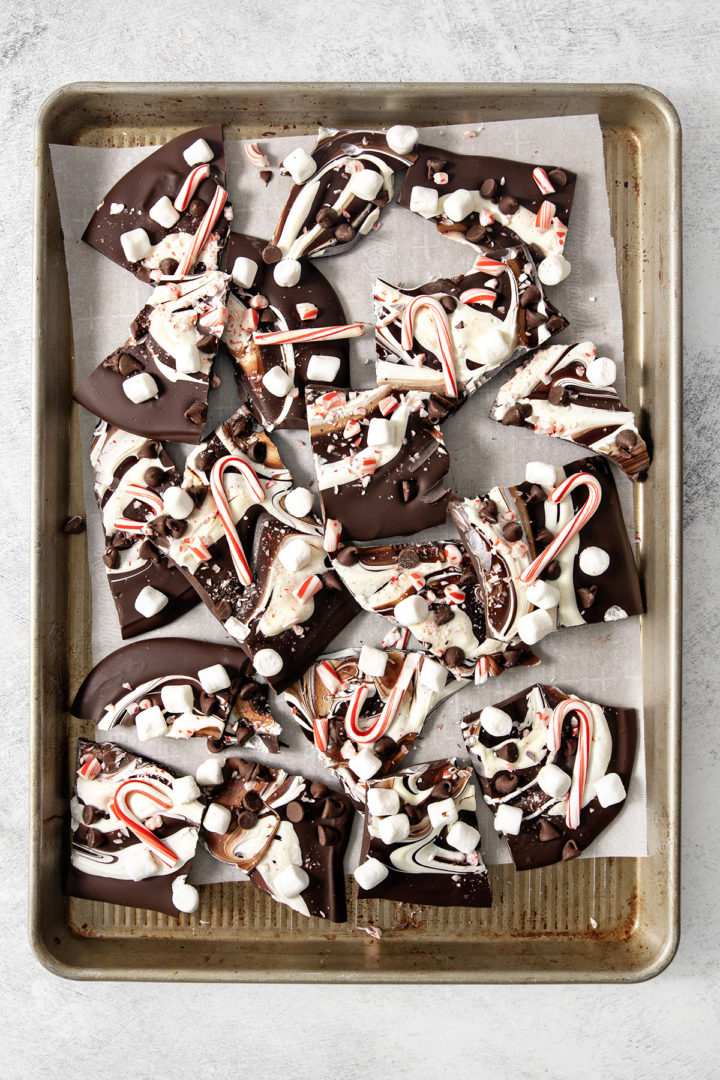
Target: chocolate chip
pixel 176 527
pixel 512 532
pixel 489 188
pixel 327 217
pixel 487 510
pixel 552 570
pixel 516 415
pixel 247 820
pixel 266 176
pixel 508 205
pixel 454 656
pixel 476 234
pixel 318 790
pixel 149 450
pixel 442 790
pixel 408 490
pixel 347 556
pixel 547 831
pixel 252 801
pixel 381 199
pixel 154 477
pixel 536 494
pixel 555 324
pixel 558 178
pixel 505 782
pixel 509 752
pixel 437 410
pixel 168 267
pixel 448 302
pixel 328 835
pixel 570 851
pixel 271 254
pixel 223 610
pixel 443 614
pixel 533 319
pixel 94 838
pixel 343 232
pixel 207 344
pixel 241 426
pixel 625 440
pixel 558 395
pixel 267 316
pixel 74 524
pixel 197 208
pixel 587 597
pixel 543 538
pixel 258 451
pixel 530 297
pixel 408 558
pixel 128 365
pixel 147 551
pixel 295 811
pixel 333 808
pixel 205 460
pixel 111 558
pixel 197 413
pixel 511 658
pixel 90 814
pixel 249 690
pixel 434 165
pixel 384 747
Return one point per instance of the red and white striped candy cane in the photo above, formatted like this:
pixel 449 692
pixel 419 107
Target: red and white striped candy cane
pixel 542 180
pixel 478 296
pixel 217 487
pixel 453 554
pixel 352 428
pixel 388 405
pixel 256 156
pixel 561 232
pixel 482 671
pixel 143 494
pixel 572 528
pixel 90 769
pixel 386 717
pixel 582 757
pixel 311 333
pixel 309 587
pixel 119 805
pixel 306 312
pixel 454 595
pixel 352 716
pixel 485 265
pixel 320 733
pixel 199 549
pixel 192 182
pixel 331 537
pixel 544 216
pixel 204 229
pixel 442 330
pixel 329 677
pixel 125 524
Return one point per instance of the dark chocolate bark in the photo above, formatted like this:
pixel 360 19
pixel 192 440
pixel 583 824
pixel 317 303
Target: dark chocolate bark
pixel 378 491
pixel 509 767
pixel 112 693
pixel 440 875
pixel 272 811
pixel 280 312
pixel 564 391
pixel 126 207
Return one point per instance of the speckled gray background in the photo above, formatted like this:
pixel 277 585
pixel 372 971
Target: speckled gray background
pixel 664 1028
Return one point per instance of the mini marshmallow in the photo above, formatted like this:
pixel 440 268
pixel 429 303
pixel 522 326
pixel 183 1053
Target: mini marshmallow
pixel 458 204
pixel 185 790
pixel 602 371
pixel 177 503
pixel 442 812
pixel 322 368
pixel 209 772
pixel 383 801
pixel 198 153
pixel 432 675
pixel 394 828
pixel 185 897
pixel 553 269
pixel 135 244
pixel 553 781
pixel 291 882
pixel 139 862
pixel 424 201
pixel 116 207
pixel 543 595
pixel 494 346
pixel 177 699
pixel 244 272
pixel 401 138
pixel 150 601
pixel 150 723
pixel 299 502
pixel 371 873
pixel 372 661
pixel 539 472
pixel 365 764
pixel 267 663
pixel 496 722
pixel 610 789
pixel 236 629
pixel 187 358
pixel 299 164
pixel 295 554
pixel 365 184
pixel 411 610
pixel 217 818
pixel 213 678
pixel 593 561
pixel 463 837
pixel 287 273
pixel 380 432
pixel 164 213
pixel 277 381
pixel 508 819
pixel 534 626
pixel 140 387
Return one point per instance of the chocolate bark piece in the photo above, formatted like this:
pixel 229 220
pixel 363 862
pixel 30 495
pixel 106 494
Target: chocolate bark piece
pixel 280 821
pixel 342 200
pixel 129 203
pixel 133 678
pixel 389 720
pixel 559 391
pixel 121 462
pixel 506 198
pixel 267 307
pixel 544 832
pixel 499 562
pixel 487 318
pixel 425 868
pixel 107 854
pixel 381 576
pixel 173 344
pixel 375 490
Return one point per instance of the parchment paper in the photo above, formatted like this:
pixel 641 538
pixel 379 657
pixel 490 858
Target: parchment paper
pixel 601 663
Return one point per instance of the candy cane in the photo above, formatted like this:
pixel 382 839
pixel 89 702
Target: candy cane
pixel 351 429
pixel 320 733
pixel 485 265
pixel 311 333
pixel 199 549
pixel 201 236
pixel 192 182
pixel 144 494
pixel 90 769
pixel 242 568
pixel 582 758
pixel 542 180
pixel 386 717
pixel 119 806
pixel 352 717
pixel 478 296
pixel 482 671
pixel 442 330
pixel 331 537
pixel 124 524
pixel 454 595
pixel 560 232
pixel 572 528
pixel 306 312
pixel 329 677
pixel 256 155
pixel 388 405
pixel 544 216
pixel 309 587
pixel 453 554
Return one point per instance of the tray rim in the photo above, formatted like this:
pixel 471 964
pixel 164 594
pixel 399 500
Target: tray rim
pixel 62 97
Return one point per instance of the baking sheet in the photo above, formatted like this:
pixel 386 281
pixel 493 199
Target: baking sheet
pixel 104 299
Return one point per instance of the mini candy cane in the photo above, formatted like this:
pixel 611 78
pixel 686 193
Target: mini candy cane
pixel 119 806
pixel 124 524
pixel 388 405
pixel 542 180
pixel 309 587
pixel 560 232
pixel 544 216
pixel 217 487
pixel 485 265
pixel 331 537
pixel 582 758
pixel 453 554
pixel 329 677
pixel 351 429
pixel 478 296
pixel 482 671
pixel 352 716
pixel 250 319
pixel 199 549
pixel 410 665
pixel 90 769
pixel 256 155
pixel 454 595
pixel 572 528
pixel 366 463
pixel 201 236
pixel 143 494
pixel 320 733
pixel 312 333
pixel 306 312
pixel 192 183
pixel 442 330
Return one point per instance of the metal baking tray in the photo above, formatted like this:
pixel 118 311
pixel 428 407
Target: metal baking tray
pixel 540 928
